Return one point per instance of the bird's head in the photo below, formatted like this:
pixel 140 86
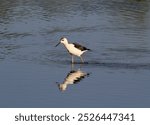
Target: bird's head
pixel 63 40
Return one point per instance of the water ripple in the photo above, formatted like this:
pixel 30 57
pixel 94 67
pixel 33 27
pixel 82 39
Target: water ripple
pixel 112 65
pixel 6 35
pixel 118 65
pixel 72 30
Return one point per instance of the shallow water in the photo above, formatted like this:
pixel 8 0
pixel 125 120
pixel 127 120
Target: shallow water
pixel 116 72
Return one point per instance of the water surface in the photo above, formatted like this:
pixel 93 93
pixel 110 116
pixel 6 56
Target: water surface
pixel 118 67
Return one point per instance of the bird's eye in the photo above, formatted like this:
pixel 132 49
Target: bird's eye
pixel 62 40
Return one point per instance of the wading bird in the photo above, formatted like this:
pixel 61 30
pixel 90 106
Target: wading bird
pixel 74 49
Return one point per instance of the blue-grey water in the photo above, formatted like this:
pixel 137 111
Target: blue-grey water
pixel 33 72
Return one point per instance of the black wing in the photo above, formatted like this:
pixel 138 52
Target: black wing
pixel 82 48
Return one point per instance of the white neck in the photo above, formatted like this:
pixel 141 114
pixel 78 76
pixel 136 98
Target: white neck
pixel 66 44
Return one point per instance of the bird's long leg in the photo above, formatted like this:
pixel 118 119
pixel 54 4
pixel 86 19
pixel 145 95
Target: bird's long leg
pixel 72 59
pixel 72 66
pixel 81 59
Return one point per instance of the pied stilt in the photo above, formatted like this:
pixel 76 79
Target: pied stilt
pixel 74 49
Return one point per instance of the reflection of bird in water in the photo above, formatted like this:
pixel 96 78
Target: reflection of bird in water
pixel 73 77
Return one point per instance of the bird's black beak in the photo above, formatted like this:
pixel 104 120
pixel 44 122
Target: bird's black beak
pixel 57 44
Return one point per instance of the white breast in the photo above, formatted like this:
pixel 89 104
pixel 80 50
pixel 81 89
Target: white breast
pixel 73 50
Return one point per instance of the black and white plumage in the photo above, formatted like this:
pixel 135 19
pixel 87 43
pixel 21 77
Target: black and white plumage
pixel 73 77
pixel 74 49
